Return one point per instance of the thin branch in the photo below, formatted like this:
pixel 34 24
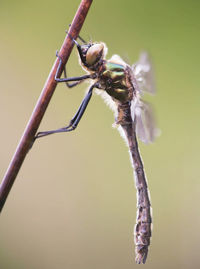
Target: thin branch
pixel 41 106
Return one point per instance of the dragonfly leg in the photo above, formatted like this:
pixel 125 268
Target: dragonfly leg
pixel 78 47
pixel 78 35
pixel 71 85
pixel 76 119
pixel 66 80
pixel 82 39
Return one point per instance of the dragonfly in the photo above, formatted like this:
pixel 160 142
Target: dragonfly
pixel 122 86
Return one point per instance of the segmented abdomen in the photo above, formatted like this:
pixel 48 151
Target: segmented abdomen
pixel 143 221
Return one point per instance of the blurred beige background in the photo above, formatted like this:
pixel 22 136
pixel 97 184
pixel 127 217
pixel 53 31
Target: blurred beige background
pixel 73 204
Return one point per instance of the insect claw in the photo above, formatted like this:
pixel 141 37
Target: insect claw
pixel 77 44
pixel 66 31
pixel 57 53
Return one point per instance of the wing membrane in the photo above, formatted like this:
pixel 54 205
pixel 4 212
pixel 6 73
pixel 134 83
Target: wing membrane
pixel 143 72
pixel 145 122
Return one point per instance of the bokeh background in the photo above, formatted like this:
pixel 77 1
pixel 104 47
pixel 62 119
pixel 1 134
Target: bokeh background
pixel 73 204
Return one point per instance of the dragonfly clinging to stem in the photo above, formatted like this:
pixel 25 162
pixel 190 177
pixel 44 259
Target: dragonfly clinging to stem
pixel 122 86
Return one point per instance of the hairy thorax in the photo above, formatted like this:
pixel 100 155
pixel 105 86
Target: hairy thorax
pixel 115 80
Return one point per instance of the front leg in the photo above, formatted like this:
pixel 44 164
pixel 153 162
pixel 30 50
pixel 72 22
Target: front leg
pixel 67 80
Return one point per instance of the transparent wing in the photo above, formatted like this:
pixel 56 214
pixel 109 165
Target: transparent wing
pixel 143 72
pixel 145 123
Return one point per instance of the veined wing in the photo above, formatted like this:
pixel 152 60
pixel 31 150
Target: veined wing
pixel 143 73
pixel 145 123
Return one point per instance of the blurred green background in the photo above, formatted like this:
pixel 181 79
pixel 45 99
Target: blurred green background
pixel 73 204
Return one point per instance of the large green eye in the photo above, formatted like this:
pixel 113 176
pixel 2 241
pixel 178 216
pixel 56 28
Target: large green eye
pixel 94 53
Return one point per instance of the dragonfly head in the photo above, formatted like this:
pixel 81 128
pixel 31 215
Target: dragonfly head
pixel 91 54
pixel 94 53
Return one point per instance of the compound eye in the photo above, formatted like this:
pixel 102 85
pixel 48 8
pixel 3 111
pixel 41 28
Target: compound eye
pixel 84 48
pixel 94 53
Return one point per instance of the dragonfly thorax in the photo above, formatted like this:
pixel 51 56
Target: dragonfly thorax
pixel 112 75
pixel 116 80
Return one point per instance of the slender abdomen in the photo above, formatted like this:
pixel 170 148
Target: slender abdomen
pixel 143 221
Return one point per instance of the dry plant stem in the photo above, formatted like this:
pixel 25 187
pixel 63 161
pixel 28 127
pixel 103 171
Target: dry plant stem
pixel 142 231
pixel 41 106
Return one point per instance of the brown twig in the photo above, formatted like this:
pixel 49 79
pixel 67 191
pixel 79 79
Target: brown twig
pixel 41 106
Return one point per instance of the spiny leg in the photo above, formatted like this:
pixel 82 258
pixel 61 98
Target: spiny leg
pixel 82 39
pixel 77 36
pixel 76 119
pixel 78 47
pixel 71 85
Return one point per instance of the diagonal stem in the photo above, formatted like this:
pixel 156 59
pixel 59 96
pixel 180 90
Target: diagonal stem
pixel 42 104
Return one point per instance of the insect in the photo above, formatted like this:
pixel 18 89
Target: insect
pixel 122 86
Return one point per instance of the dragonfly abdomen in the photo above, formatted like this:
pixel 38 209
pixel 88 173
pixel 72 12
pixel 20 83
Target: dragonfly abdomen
pixel 142 231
